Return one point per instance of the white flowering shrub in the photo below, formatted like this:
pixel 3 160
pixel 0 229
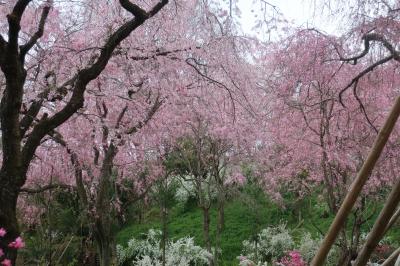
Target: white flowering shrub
pixel 308 247
pixel 273 243
pixel 244 261
pixel 147 252
pixel 269 245
pixel 187 190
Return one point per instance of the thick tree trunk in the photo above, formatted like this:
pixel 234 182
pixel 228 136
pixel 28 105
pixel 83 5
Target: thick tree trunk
pixel 103 222
pixel 106 251
pixel 8 220
pixel 12 173
pixel 104 239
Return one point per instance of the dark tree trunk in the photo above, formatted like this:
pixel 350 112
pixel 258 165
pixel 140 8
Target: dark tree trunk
pixel 8 220
pixel 206 228
pixel 164 217
pixel 106 252
pixel 221 214
pixel 220 225
pixel 103 222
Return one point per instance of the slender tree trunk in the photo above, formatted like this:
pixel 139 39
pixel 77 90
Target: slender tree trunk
pixel 220 225
pixel 206 228
pixel 330 195
pixel 164 217
pixel 221 215
pixel 344 254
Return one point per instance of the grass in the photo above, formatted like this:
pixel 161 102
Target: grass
pixel 245 216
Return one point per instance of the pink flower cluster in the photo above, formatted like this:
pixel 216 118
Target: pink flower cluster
pixel 16 244
pixel 292 259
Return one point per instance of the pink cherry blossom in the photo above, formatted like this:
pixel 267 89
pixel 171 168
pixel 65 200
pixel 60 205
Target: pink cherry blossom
pixel 6 262
pixel 17 243
pixel 1 253
pixel 3 232
pixel 293 259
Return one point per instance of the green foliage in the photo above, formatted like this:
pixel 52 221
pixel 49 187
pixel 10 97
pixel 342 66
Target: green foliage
pixel 59 231
pixel 61 234
pixel 246 214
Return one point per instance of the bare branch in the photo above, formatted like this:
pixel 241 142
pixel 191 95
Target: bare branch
pixel 368 38
pixel 134 9
pixel 58 138
pixel 45 188
pixel 160 53
pixel 120 116
pixel 362 74
pixel 362 107
pixel 14 20
pixel 216 82
pixel 24 49
pixel 157 104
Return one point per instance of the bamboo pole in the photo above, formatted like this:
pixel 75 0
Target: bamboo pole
pixel 394 218
pixel 380 226
pixel 357 185
pixel 391 259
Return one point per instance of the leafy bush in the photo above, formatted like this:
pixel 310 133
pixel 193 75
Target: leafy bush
pixel 275 244
pixel 270 244
pixel 308 247
pixel 244 261
pixel 147 252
